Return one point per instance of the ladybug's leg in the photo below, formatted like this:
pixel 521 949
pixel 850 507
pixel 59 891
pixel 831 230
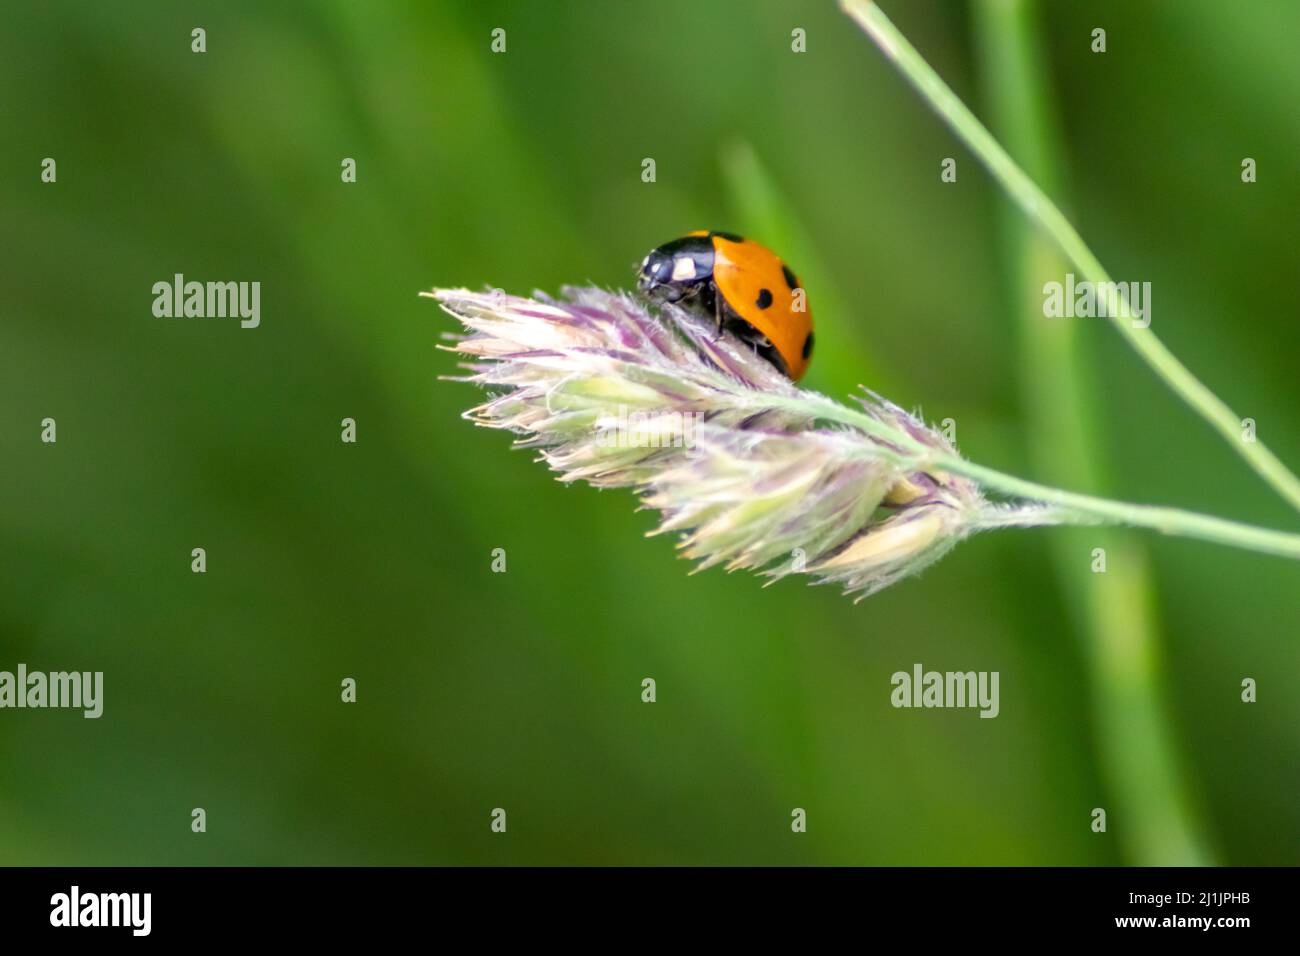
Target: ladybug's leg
pixel 707 301
pixel 714 303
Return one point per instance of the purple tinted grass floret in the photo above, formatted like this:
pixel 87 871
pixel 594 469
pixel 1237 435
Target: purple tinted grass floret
pixel 750 471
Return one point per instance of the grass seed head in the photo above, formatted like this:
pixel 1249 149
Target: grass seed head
pixel 743 465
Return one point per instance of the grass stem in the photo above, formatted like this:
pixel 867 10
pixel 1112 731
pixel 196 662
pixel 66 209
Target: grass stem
pixel 1073 507
pixel 1039 208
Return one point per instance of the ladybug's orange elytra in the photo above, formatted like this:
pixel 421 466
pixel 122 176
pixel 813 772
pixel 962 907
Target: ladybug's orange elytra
pixel 741 284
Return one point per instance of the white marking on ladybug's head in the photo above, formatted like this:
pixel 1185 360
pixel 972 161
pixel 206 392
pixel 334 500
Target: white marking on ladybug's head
pixel 683 268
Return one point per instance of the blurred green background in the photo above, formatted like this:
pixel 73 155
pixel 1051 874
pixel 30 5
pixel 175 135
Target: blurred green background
pixel 522 690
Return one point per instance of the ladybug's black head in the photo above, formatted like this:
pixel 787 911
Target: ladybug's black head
pixel 656 273
pixel 677 269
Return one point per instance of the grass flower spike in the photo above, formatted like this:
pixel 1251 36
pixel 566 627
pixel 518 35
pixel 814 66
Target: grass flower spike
pixel 748 468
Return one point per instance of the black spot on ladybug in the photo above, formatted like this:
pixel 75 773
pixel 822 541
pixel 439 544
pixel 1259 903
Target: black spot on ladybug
pixel 790 280
pixel 729 236
pixel 808 346
pixel 764 298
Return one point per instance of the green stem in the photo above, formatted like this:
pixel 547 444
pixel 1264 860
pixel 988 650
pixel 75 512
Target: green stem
pixel 1038 207
pixel 1087 509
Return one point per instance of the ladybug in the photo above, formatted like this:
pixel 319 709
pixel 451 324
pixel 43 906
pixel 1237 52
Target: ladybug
pixel 740 284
